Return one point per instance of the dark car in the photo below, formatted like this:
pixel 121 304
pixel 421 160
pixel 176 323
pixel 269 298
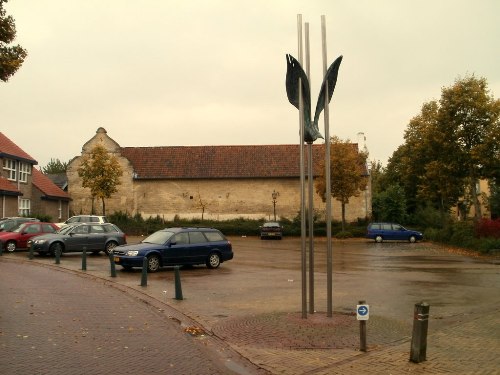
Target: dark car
pixel 19 236
pixel 8 223
pixel 271 229
pixel 75 237
pixel 176 246
pixel 392 231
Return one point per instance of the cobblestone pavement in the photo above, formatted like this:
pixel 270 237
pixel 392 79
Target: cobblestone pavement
pixel 61 323
pixel 258 334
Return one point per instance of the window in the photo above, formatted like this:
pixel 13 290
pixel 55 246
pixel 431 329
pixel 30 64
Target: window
pixel 197 237
pixel 24 171
pixel 10 167
pixel 181 238
pixel 24 207
pixel 214 236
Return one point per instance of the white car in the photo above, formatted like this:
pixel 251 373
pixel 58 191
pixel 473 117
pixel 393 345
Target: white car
pixel 84 219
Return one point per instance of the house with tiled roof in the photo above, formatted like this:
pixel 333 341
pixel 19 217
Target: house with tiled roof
pixel 24 190
pixel 223 182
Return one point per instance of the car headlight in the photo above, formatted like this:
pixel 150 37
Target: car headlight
pixel 132 253
pixel 39 242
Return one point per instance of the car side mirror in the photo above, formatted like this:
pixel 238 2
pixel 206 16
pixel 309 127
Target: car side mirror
pixel 172 243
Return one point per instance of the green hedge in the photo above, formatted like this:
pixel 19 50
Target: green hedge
pixel 237 227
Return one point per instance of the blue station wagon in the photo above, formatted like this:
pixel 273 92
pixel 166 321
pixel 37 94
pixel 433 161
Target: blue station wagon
pixel 176 246
pixel 392 231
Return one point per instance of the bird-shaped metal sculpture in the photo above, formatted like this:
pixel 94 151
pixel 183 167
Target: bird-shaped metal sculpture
pixel 293 73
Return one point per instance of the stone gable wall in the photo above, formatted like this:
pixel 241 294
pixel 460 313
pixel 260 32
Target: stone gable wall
pixel 223 199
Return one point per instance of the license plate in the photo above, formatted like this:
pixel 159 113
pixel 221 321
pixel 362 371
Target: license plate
pixel 117 260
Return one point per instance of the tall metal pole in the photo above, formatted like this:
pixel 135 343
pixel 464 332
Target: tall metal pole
pixel 302 178
pixel 328 193
pixel 310 189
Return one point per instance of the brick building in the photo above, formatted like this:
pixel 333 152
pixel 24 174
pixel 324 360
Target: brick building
pixel 24 190
pixel 228 181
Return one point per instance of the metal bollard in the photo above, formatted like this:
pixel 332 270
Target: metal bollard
pixel 30 254
pixel 58 255
pixel 112 264
pixel 1 248
pixel 362 332
pixel 144 275
pixel 419 337
pixel 84 259
pixel 178 287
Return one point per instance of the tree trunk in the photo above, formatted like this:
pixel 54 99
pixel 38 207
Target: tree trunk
pixel 343 216
pixel 475 200
pixel 103 207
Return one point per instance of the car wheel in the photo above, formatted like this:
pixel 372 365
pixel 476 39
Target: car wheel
pixel 379 239
pixel 413 239
pixel 54 248
pixel 213 260
pixel 10 246
pixel 109 247
pixel 153 263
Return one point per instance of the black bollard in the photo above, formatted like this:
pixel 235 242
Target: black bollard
pixel 30 254
pixel 112 264
pixel 1 248
pixel 84 259
pixel 178 287
pixel 419 337
pixel 144 275
pixel 57 253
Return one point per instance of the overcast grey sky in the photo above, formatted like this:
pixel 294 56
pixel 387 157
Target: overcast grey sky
pixel 183 73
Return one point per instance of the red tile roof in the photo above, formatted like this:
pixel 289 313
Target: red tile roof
pixel 10 150
pixel 185 162
pixel 8 188
pixel 47 187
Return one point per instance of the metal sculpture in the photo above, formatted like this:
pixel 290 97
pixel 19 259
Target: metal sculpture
pixel 295 73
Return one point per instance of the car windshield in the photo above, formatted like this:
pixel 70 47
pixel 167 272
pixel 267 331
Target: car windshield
pixel 272 224
pixel 159 238
pixel 18 228
pixel 66 229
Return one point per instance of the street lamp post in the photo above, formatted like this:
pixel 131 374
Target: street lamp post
pixel 275 195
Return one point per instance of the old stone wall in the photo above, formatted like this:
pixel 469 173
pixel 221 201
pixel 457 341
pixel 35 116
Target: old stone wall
pixel 217 199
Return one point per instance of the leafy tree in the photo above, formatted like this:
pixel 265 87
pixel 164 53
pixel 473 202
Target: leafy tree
pixel 100 172
pixel 449 146
pixel 468 120
pixel 55 166
pixel 347 171
pixel 390 205
pixel 11 58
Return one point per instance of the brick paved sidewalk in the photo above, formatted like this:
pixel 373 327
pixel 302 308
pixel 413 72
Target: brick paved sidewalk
pixel 70 323
pixel 467 347
pixel 283 343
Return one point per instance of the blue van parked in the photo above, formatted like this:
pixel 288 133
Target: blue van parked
pixel 392 231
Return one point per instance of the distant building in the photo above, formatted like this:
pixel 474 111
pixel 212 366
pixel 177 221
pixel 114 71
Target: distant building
pixel 24 190
pixel 228 181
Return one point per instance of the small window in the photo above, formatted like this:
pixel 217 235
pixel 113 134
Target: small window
pixel 82 229
pixel 10 167
pixel 24 207
pixel 96 229
pixel 214 236
pixel 197 237
pixel 181 238
pixel 386 226
pixel 33 228
pixel 376 226
pixel 24 172
pixel 397 227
